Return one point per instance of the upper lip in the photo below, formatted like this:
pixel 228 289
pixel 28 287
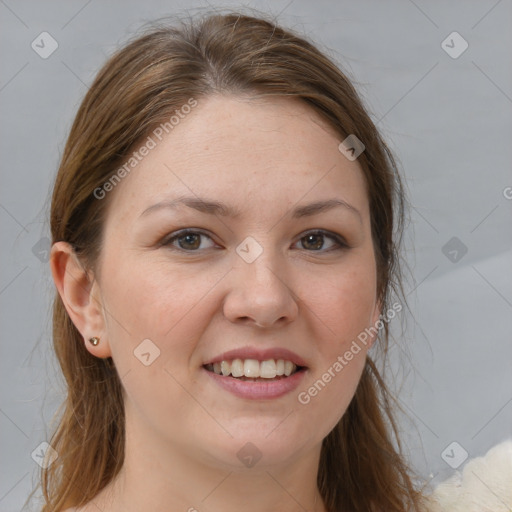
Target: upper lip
pixel 259 354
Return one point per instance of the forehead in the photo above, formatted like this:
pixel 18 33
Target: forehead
pixel 253 153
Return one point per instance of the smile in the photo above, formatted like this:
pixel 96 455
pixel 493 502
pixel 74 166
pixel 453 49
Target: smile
pixel 251 369
pixel 256 380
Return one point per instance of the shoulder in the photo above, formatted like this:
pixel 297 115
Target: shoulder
pixel 483 485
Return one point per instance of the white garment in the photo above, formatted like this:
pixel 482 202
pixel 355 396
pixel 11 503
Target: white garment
pixel 485 485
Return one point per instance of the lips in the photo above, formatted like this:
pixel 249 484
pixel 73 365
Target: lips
pixel 257 373
pixel 257 388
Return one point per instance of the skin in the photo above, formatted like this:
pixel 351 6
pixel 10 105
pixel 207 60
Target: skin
pixel 264 157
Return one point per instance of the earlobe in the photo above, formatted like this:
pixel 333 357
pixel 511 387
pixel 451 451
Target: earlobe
pixel 80 295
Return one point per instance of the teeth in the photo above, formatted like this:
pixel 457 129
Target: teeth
pixel 268 369
pixel 225 368
pixel 253 368
pixel 237 368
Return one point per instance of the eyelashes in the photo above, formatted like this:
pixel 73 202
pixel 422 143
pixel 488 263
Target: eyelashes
pixel 189 241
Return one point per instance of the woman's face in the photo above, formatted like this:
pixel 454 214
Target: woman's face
pixel 273 278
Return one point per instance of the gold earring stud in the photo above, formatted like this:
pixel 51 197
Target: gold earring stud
pixel 94 340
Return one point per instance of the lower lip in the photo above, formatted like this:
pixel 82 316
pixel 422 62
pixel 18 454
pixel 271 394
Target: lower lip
pixel 258 390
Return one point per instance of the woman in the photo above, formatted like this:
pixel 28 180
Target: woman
pixel 225 224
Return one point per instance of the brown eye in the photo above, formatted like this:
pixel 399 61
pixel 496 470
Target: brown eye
pixel 313 242
pixel 191 241
pixel 187 240
pixel 316 241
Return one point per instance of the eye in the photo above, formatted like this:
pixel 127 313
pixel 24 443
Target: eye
pixel 187 240
pixel 191 241
pixel 315 241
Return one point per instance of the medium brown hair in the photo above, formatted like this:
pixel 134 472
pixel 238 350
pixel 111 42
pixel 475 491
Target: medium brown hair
pixel 361 465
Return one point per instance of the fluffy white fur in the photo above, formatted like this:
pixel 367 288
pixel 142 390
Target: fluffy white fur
pixel 485 485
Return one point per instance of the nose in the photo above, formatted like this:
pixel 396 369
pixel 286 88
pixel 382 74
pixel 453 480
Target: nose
pixel 260 295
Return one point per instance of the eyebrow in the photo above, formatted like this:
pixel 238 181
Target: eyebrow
pixel 212 207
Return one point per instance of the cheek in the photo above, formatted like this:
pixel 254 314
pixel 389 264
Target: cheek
pixel 343 303
pixel 342 308
pixel 151 299
pixel 342 311
pixel 147 300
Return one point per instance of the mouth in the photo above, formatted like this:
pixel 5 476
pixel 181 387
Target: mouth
pixel 257 373
pixel 254 370
pixel 252 379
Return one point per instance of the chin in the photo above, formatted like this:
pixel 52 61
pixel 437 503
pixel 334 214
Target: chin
pixel 255 448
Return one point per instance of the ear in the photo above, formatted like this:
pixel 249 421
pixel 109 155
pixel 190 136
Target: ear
pixel 81 296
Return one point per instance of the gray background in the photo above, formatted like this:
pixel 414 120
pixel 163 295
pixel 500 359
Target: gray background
pixel 449 120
